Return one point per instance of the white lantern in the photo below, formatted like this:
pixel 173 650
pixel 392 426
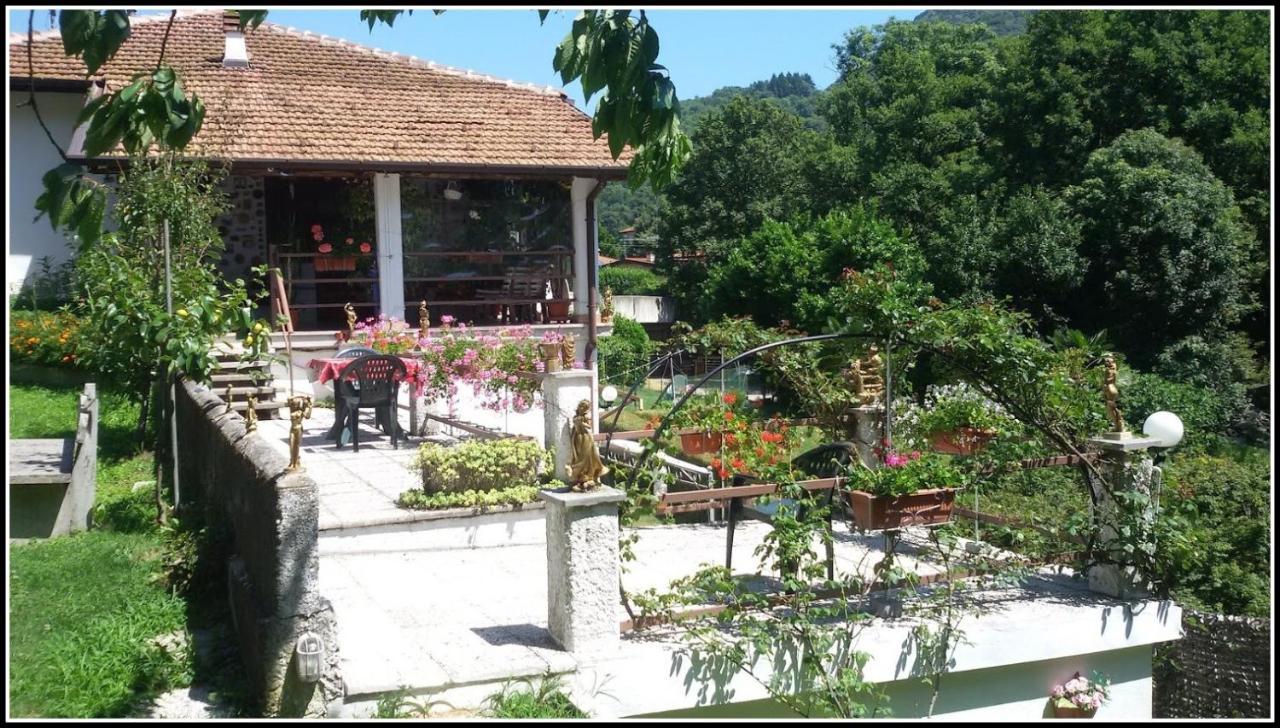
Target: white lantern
pixel 609 394
pixel 1165 427
pixel 310 653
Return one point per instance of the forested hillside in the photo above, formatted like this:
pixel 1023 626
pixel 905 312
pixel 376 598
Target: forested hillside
pixel 1001 22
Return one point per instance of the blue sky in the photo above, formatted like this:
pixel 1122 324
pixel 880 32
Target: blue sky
pixel 704 49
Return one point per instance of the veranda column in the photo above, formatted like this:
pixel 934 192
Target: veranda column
pixel 582 569
pixel 390 253
pixel 583 255
pixel 1128 467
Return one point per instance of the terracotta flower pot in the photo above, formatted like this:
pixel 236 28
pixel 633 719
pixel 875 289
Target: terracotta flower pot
pixel 922 508
pixel 696 443
pixel 962 441
pixel 557 310
pixel 325 263
pixel 1072 711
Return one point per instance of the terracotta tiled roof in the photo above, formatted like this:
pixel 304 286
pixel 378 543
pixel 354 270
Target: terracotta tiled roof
pixel 317 99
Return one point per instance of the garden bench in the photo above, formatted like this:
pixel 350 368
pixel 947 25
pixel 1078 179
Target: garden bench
pixel 52 482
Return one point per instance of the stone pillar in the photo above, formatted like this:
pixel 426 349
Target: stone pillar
pixel 866 428
pixel 561 393
pixel 1127 467
pixel 582 569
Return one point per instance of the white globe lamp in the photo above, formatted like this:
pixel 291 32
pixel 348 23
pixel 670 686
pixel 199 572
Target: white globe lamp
pixel 609 394
pixel 1165 427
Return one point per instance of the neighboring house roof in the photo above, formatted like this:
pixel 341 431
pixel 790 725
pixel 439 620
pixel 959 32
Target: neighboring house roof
pixel 629 260
pixel 317 100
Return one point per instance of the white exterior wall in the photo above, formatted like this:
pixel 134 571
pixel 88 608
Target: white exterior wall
pixel 645 309
pixel 30 156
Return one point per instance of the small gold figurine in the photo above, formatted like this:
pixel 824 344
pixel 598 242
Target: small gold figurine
pixel 584 468
pixel 1111 393
pixel 351 316
pixel 424 318
pixel 299 410
pixel 251 415
pixel 566 352
pixel 606 308
pixel 227 399
pixel 868 384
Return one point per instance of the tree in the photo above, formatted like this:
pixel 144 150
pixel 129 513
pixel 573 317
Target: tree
pixel 608 50
pixel 1171 245
pixel 748 167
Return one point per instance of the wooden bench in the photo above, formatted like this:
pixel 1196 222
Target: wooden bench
pixel 735 497
pixel 52 482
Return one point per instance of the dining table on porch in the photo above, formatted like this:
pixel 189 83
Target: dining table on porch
pixel 330 369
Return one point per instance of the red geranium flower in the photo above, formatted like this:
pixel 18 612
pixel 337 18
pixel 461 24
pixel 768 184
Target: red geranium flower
pixel 738 464
pixel 317 230
pixel 317 237
pixel 730 399
pixel 731 439
pixel 728 417
pixel 325 248
pixel 365 247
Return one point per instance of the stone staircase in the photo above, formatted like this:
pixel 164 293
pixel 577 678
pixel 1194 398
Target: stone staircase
pixel 245 378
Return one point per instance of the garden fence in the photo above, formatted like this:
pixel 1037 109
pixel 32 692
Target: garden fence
pixel 1219 669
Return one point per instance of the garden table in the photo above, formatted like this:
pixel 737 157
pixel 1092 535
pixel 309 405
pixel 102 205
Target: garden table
pixel 330 369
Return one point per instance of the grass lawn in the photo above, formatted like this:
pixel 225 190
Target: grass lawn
pixel 85 607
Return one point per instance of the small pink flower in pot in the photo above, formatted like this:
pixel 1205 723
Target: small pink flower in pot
pixel 316 229
pixel 365 247
pixel 325 247
pixel 317 237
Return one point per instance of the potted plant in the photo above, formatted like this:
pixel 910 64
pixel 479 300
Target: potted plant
pixel 909 489
pixel 385 335
pixel 711 416
pixel 958 420
pixel 339 256
pixel 1079 697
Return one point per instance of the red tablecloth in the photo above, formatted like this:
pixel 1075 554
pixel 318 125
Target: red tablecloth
pixel 330 369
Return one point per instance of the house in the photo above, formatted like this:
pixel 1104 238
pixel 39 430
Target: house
pixel 424 182
pixel 631 261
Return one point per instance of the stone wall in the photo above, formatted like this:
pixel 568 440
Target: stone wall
pixel 273 576
pixel 243 227
pixel 1219 669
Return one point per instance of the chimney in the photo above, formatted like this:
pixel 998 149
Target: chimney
pixel 236 54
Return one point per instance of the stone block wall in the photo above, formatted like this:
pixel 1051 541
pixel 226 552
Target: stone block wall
pixel 1219 669
pixel 241 483
pixel 243 227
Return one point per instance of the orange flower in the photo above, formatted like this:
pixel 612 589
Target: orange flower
pixel 728 417
pixel 759 452
pixel 738 464
pixel 715 462
pixel 730 398
pixel 731 439
pixel 724 474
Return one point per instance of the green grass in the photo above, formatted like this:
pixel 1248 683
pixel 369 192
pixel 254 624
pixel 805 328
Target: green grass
pixel 83 609
pixel 544 699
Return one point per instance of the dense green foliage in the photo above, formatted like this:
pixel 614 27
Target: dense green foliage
pixel 544 699
pixel 479 465
pixel 627 281
pixel 514 496
pixel 83 612
pixel 1001 22
pixel 792 92
pixel 624 353
pixel 43 338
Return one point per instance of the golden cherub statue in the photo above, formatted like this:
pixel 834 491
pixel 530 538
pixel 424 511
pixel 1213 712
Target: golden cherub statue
pixel 584 468
pixel 299 410
pixel 865 376
pixel 351 316
pixel 424 317
pixel 606 308
pixel 566 352
pixel 251 415
pixel 1111 393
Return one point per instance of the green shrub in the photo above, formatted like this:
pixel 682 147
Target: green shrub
pixel 513 496
pixel 625 281
pixel 545 699
pixel 623 352
pixel 1203 411
pixel 1228 503
pixel 480 465
pixel 43 337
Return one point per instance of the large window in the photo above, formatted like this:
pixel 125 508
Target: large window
pixel 487 251
pixel 321 232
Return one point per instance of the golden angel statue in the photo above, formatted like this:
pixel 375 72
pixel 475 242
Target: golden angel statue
pixel 1111 394
pixel 299 410
pixel 584 468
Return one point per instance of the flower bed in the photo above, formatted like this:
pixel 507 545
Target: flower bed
pixel 499 366
pixel 44 338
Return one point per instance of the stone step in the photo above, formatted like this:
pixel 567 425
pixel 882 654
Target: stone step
pixel 237 392
pixel 247 377
pixel 233 363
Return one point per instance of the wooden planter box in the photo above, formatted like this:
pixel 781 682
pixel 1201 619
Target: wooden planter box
pixel 922 508
pixel 696 443
pixel 1071 712
pixel 326 263
pixel 962 441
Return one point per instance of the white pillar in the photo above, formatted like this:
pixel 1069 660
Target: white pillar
pixel 584 254
pixel 582 570
pixel 561 393
pixel 386 200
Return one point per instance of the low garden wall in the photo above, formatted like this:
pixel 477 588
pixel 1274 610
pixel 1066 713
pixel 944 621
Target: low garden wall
pixel 241 483
pixel 1219 669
